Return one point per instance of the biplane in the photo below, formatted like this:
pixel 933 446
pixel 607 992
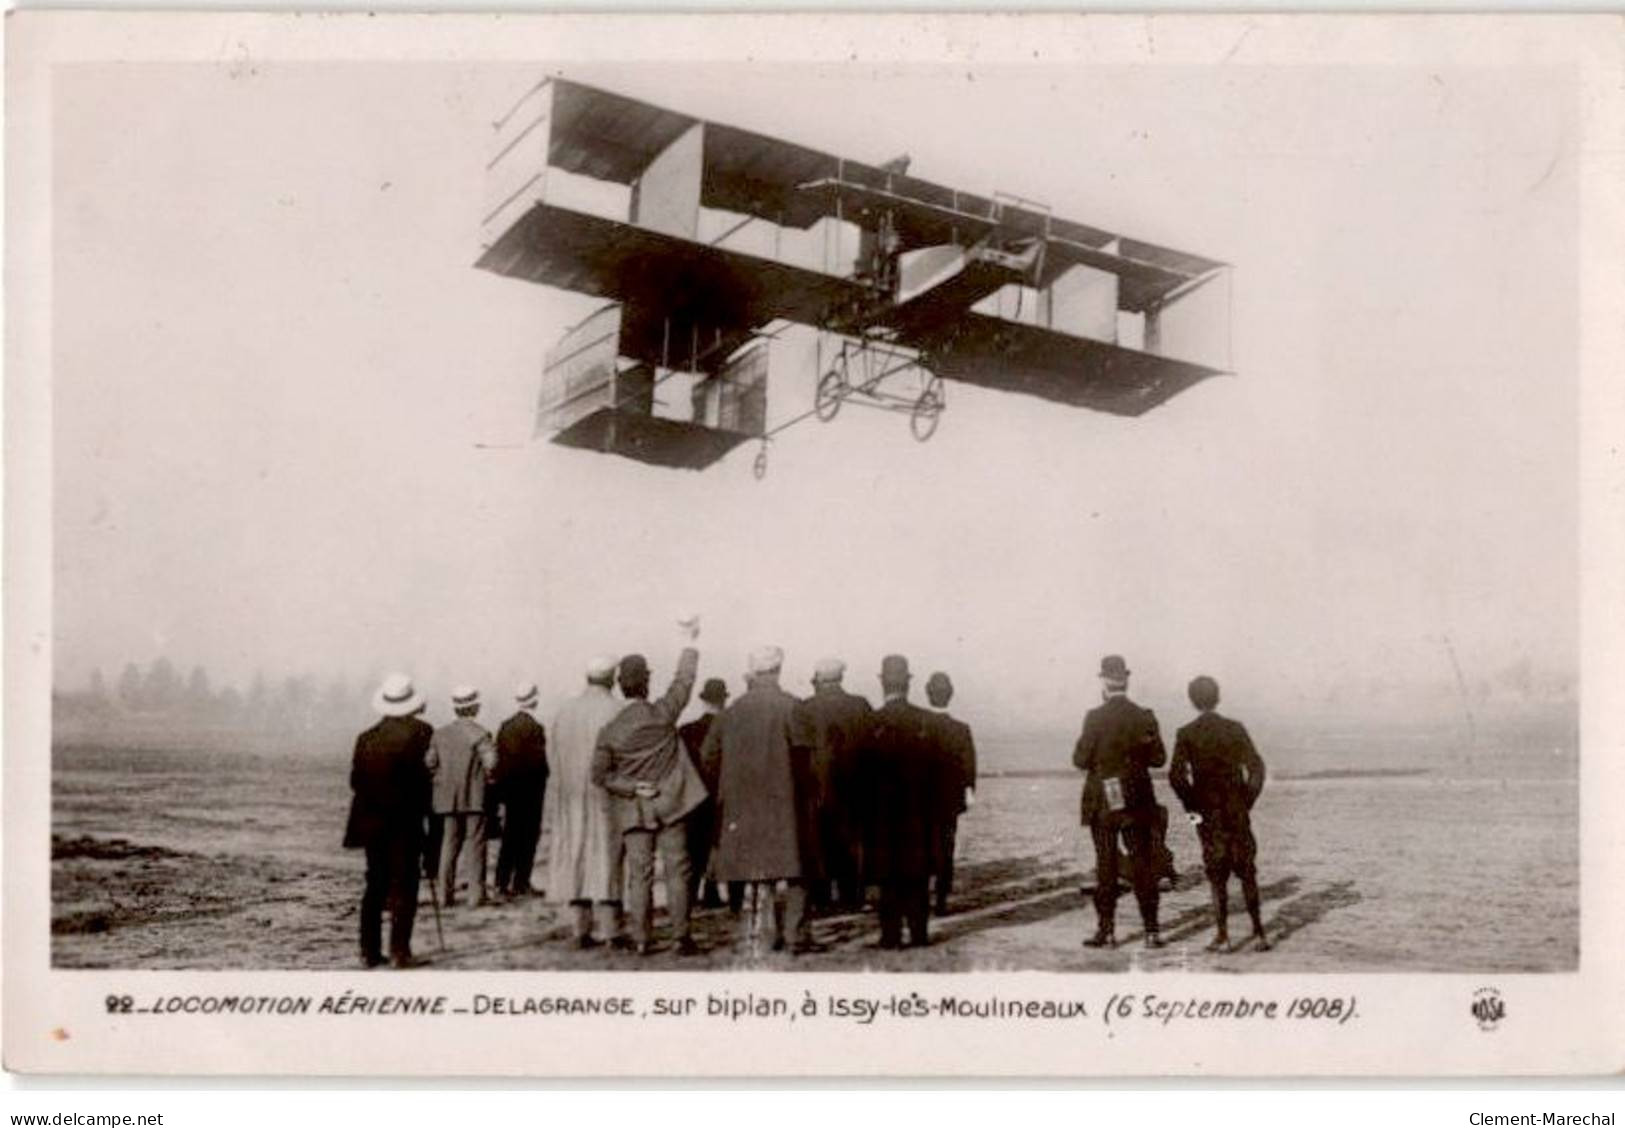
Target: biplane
pixel 706 241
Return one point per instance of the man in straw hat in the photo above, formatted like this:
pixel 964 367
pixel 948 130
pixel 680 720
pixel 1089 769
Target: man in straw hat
pixel 956 779
pixel 390 781
pixel 899 786
pixel 462 758
pixel 1119 746
pixel 1218 775
pixel 761 746
pixel 521 782
pixel 653 786
pixel 584 855
pixel 839 720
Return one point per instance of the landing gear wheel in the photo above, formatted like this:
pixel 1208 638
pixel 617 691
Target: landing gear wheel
pixel 759 467
pixel 927 413
pixel 831 391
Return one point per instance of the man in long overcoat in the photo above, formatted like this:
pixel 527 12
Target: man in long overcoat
pixel 584 856
pixel 462 757
pixel 1218 776
pixel 897 768
pixel 389 778
pixel 521 782
pixel 956 759
pixel 653 786
pixel 1119 746
pixel 840 720
pixel 756 745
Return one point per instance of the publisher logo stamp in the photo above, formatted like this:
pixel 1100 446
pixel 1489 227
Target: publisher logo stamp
pixel 1488 1008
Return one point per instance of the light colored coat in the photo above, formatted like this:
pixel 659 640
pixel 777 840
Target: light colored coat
pixel 584 854
pixel 462 757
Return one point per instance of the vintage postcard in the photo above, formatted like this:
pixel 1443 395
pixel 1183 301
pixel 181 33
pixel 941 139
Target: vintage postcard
pixel 884 545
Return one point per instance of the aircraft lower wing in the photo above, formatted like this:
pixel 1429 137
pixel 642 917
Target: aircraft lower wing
pixel 1010 356
pixel 648 438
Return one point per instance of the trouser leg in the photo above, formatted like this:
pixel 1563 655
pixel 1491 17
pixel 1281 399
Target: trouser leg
pixel 1104 836
pixel 891 914
pixel 608 918
pixel 451 846
pixel 1143 863
pixel 403 892
pixel 478 845
pixel 917 909
pixel 640 872
pixel 373 895
pixel 580 919
pixel 525 853
pixel 796 927
pixel 947 837
pixel 673 843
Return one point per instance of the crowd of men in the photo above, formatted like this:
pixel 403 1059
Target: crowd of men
pixel 774 806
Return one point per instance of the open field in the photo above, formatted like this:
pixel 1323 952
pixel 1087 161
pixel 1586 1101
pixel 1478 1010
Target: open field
pixel 172 859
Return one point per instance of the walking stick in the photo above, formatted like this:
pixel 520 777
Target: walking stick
pixel 434 899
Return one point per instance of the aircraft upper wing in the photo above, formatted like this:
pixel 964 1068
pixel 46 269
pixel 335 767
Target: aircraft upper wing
pixel 613 137
pixel 1012 356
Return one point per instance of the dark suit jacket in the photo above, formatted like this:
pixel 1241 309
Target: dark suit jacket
pixel 522 769
pixel 956 752
pixel 900 795
pixel 390 781
pixel 693 736
pixel 1120 739
pixel 1216 770
pixel 840 720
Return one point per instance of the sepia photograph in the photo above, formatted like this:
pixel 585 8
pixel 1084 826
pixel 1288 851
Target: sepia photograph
pixel 941 512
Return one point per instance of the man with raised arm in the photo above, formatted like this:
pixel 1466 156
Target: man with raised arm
pixel 640 761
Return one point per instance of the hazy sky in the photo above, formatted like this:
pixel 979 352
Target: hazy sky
pixel 274 360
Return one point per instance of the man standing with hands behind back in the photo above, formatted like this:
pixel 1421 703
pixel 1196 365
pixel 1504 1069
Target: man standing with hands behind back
pixel 653 785
pixel 1218 775
pixel 1119 746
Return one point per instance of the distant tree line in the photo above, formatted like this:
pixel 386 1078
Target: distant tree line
pixel 296 703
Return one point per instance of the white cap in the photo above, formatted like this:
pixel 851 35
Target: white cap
pixel 829 669
pixel 602 666
pixel 526 693
pixel 766 660
pixel 396 697
pixel 464 696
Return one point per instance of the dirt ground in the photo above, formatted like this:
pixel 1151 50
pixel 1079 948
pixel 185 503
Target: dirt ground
pixel 1391 874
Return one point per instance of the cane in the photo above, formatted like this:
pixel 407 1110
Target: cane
pixel 434 899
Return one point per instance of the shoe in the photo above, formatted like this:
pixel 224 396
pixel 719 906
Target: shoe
pixel 922 942
pixel 371 961
pixel 1101 939
pixel 889 945
pixel 585 942
pixel 1261 943
pixel 622 944
pixel 1153 940
pixel 646 948
pixel 1220 943
pixel 778 943
pixel 943 910
pixel 405 961
pixel 687 947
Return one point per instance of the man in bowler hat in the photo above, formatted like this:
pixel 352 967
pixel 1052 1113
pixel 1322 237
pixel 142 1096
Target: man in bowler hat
pixel 1218 775
pixel 897 769
pixel 1119 746
pixel 390 781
